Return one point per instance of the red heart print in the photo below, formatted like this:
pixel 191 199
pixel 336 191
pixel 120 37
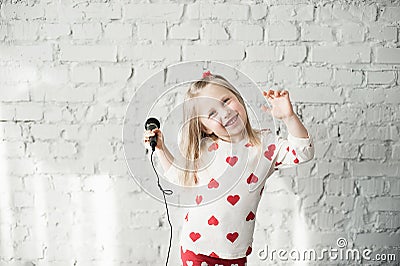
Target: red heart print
pixel 214 255
pixel 233 199
pixel 213 221
pixel 194 236
pixel 232 236
pixel 248 252
pixel 296 160
pixel 252 179
pixel 250 216
pixel 248 145
pixel 294 152
pixel 278 163
pixel 199 198
pixel 270 152
pixel 232 160
pixel 287 148
pixel 213 183
pixel 213 147
pixel 187 217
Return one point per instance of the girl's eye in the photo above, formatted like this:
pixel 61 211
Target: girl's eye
pixel 211 114
pixel 226 101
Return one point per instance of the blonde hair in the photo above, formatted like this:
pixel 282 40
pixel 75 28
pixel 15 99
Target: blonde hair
pixel 193 131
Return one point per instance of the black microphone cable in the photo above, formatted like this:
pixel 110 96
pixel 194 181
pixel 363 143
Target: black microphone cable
pixel 164 192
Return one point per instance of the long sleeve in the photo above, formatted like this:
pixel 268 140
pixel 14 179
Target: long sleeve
pixel 293 151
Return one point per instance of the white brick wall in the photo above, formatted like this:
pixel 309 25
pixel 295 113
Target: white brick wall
pixel 69 68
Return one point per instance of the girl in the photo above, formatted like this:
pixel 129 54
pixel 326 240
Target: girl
pixel 221 233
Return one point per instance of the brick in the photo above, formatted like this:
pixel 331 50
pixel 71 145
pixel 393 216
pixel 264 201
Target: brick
pixel 86 31
pixel 12 149
pixel 317 75
pixel 7 112
pixel 379 114
pixel 346 151
pixel 339 55
pixel 116 73
pixel 23 199
pixel 340 203
pixel 41 52
pixel 281 31
pixel 23 30
pixel 258 11
pixel 373 151
pixel 335 186
pixel 291 12
pixel 214 32
pixel 380 77
pixel 393 185
pixel 264 53
pixel 152 31
pixel 316 95
pixel 153 12
pixel 38 149
pixel 347 77
pixel 12 93
pixel 51 31
pixel 111 167
pixel 285 74
pixel 63 149
pixel 29 112
pixel 229 11
pixel 350 33
pixel 316 33
pixel 150 52
pixel 3 30
pixel 81 53
pixel 187 31
pixel 103 11
pixel 193 10
pixel 247 32
pixel 18 73
pixel 21 11
pixel 213 52
pixel 372 168
pixel 85 73
pixel 310 186
pixel 372 187
pixel 390 14
pixel 379 32
pixel 387 55
pixel 388 220
pixel 384 204
pixel 257 71
pixel 55 74
pixel 328 221
pixel 63 13
pixel 295 54
pixel 332 12
pixel 45 131
pixel 65 166
pixel 334 167
pixel 117 31
pixel 20 167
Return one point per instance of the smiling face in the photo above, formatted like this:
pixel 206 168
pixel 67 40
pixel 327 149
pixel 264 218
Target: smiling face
pixel 221 113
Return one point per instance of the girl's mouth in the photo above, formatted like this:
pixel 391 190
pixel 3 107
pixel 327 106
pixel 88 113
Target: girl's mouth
pixel 232 121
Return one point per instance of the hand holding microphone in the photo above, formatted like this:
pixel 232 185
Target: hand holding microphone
pixel 153 137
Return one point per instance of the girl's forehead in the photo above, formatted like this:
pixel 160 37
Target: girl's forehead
pixel 214 91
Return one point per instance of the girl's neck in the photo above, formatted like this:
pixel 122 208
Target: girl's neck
pixel 234 139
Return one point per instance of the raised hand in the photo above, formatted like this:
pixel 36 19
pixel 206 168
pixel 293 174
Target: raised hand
pixel 281 107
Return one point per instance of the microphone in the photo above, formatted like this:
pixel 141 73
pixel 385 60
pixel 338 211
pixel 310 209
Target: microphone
pixel 152 123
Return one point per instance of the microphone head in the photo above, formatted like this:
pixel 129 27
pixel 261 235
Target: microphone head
pixel 152 123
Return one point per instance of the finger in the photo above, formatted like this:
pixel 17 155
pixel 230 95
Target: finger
pixel 269 94
pixel 285 93
pixel 276 94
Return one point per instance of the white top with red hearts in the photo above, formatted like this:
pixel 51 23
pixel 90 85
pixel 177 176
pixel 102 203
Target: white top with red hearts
pixel 224 227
